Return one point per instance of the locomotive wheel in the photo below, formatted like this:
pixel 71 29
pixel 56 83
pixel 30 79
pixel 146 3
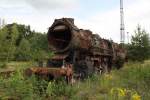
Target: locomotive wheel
pixel 83 74
pixel 105 67
pixel 98 70
pixel 119 63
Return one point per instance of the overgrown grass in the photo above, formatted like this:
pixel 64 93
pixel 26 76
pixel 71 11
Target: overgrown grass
pixel 133 79
pixel 132 82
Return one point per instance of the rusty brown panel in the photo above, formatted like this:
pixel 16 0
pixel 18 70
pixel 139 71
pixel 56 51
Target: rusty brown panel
pixel 55 72
pixel 82 39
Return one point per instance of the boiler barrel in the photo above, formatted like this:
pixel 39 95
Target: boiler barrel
pixel 64 35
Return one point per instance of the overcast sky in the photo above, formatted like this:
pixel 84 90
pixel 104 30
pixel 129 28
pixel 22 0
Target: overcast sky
pixel 100 16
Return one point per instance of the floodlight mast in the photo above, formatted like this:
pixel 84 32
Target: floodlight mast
pixel 122 26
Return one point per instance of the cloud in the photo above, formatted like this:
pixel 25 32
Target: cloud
pixel 41 5
pixel 14 7
pixel 52 4
pixel 12 3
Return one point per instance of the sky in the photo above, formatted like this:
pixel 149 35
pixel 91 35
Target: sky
pixel 100 16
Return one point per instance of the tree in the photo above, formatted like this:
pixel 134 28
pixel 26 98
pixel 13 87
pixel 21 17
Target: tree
pixel 139 48
pixel 2 43
pixel 40 51
pixel 7 44
pixel 18 42
pixel 14 33
pixel 23 52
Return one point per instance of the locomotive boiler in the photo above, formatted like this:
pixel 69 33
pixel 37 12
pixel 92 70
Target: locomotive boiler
pixel 88 53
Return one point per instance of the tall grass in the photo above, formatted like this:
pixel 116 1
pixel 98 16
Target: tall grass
pixel 132 82
pixel 18 87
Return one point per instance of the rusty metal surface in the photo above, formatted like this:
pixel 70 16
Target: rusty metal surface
pixel 47 73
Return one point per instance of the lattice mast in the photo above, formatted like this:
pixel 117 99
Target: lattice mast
pixel 122 27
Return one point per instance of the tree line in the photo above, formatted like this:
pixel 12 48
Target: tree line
pixel 19 43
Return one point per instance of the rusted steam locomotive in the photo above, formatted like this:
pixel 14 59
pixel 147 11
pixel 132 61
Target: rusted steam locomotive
pixel 77 53
pixel 88 53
